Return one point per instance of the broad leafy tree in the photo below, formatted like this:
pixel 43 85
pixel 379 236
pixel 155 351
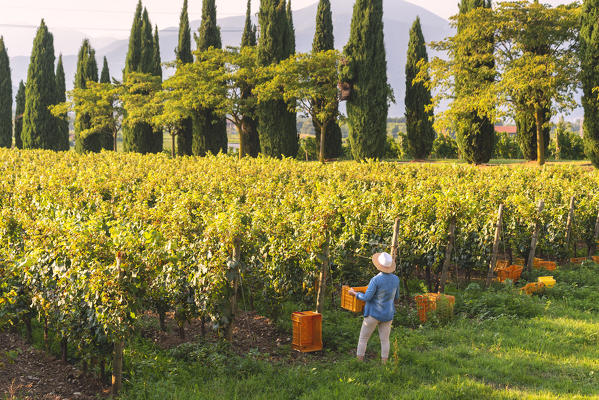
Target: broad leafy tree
pixel 324 40
pixel 310 80
pixel 589 58
pixel 276 124
pixel 209 130
pixel 475 134
pixel 536 63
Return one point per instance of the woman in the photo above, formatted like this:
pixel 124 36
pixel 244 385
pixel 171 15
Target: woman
pixel 383 291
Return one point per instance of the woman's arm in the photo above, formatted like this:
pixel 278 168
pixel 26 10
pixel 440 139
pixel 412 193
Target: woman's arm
pixel 369 293
pixel 397 291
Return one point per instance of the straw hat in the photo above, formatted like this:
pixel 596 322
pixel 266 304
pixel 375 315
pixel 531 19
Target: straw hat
pixel 383 262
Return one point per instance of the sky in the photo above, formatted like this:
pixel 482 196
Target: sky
pixel 112 18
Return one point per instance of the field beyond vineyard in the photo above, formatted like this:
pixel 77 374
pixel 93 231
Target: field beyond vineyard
pixel 97 250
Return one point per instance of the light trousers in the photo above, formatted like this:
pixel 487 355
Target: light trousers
pixel 368 327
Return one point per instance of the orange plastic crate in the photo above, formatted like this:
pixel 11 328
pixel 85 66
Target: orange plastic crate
pixel 513 272
pixel 533 287
pixel 502 264
pixel 427 302
pixel 595 259
pixel 547 265
pixel 307 331
pixel 350 302
pixel 578 260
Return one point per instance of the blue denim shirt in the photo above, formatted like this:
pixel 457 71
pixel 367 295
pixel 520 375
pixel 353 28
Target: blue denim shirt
pixel 382 291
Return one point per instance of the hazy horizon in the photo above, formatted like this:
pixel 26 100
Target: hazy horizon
pixel 111 20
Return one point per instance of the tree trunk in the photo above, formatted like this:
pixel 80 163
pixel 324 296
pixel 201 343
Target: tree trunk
pixel 162 320
pixel 498 229
pixel 323 130
pixel 447 260
pixel 46 344
pixel 323 277
pixel 63 349
pixel 243 142
pixel 114 141
pixel 540 137
pixel 429 279
pixel 117 368
pixel 173 152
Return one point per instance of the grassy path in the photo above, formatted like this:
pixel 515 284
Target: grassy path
pixel 554 355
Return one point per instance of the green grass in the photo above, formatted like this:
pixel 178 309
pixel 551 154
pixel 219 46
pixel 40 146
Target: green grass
pixel 498 356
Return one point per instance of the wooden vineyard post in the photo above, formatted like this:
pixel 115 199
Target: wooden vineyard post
pixel 569 223
pixel 119 345
pixel 395 240
pixel 596 237
pixel 498 229
pixel 535 238
pixel 322 281
pixel 117 368
pixel 447 260
pixel 233 300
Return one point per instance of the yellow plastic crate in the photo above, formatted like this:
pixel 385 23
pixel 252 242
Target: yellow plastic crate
pixel 547 281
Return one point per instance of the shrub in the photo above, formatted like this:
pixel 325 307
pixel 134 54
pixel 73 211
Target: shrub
pixel 571 146
pixel 506 146
pixel 445 146
pixel 308 148
pixel 505 301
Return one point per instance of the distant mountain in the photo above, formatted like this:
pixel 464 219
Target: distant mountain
pixel 398 18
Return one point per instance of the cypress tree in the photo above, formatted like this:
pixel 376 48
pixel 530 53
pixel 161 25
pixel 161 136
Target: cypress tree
pixel 250 140
pixel 183 53
pixel 5 98
pixel 19 110
pixel 276 125
pixel 419 125
pixel 249 30
pixel 134 53
pixel 209 130
pixel 39 125
pixel 366 72
pixel 105 75
pixel 140 138
pixel 589 58
pixel 87 70
pixel 290 29
pixel 158 141
pixel 62 122
pixel 475 134
pixel 108 140
pixel 324 40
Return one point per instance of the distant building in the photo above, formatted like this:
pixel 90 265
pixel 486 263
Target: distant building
pixel 509 129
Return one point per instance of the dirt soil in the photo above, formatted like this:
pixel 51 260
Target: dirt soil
pixel 28 373
pixel 252 332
